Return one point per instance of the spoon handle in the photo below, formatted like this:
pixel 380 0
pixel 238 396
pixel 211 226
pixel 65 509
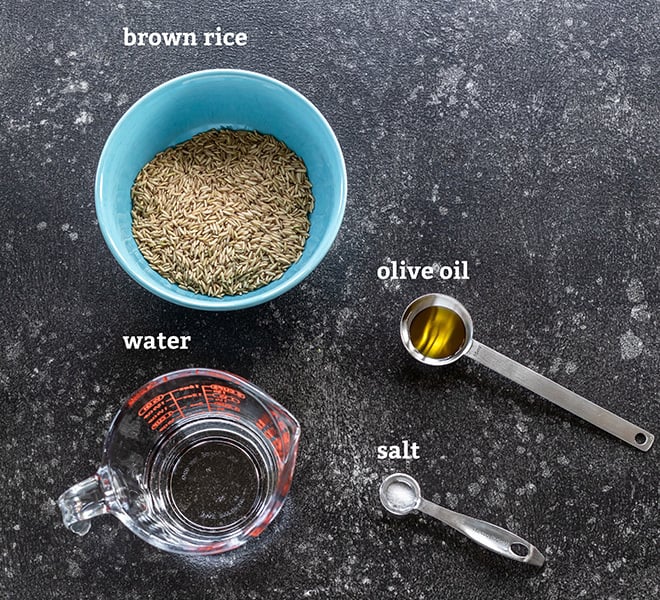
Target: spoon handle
pixel 559 395
pixel 494 538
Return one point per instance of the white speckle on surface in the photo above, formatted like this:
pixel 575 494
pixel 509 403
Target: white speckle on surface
pixel 65 227
pixel 545 470
pixel 73 236
pixel 16 126
pixel 448 83
pixel 415 91
pixel 434 193
pixel 569 22
pixel 84 118
pixel 514 36
pixel 635 291
pixel 474 489
pixel 452 500
pixel 344 319
pixel 631 345
pixel 443 210
pixel 640 312
pixel 48 507
pixel 571 367
pixel 41 225
pixel 579 320
pixel 495 498
pixel 563 460
pixel 74 87
pixel 73 569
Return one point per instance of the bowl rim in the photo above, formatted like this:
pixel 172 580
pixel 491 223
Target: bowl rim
pixel 254 297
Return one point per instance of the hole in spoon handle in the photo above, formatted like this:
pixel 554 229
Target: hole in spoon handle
pixel 561 396
pixel 519 549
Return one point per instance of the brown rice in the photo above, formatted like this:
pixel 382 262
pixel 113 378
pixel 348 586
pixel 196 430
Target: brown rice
pixel 223 213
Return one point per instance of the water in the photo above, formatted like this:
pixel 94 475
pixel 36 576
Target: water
pixel 211 476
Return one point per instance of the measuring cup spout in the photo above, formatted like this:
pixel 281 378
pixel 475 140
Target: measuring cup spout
pixel 82 502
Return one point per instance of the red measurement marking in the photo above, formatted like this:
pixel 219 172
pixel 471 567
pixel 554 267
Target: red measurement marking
pixel 147 406
pixel 263 423
pixel 278 446
pixel 162 410
pixel 160 420
pixel 222 398
pixel 208 406
pixel 176 404
pixel 147 387
pixel 226 393
pixel 166 419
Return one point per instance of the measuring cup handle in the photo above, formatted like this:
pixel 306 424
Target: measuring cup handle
pixel 82 502
pixel 559 395
pixel 493 538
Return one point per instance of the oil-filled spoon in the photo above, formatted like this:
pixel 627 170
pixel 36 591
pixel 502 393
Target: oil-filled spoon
pixel 437 330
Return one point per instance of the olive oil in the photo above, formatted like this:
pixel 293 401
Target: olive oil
pixel 437 332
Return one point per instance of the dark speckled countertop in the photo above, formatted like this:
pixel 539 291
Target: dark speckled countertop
pixel 520 136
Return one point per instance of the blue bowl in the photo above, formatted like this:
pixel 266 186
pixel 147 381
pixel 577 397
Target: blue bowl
pixel 177 110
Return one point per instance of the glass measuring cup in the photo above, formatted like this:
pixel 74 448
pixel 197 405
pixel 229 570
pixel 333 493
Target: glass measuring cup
pixel 197 461
pixel 437 330
pixel 400 494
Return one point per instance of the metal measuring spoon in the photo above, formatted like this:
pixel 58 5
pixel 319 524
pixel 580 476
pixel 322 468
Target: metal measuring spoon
pixel 437 330
pixel 400 495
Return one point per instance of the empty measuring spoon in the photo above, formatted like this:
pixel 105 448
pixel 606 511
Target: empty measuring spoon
pixel 400 495
pixel 437 330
